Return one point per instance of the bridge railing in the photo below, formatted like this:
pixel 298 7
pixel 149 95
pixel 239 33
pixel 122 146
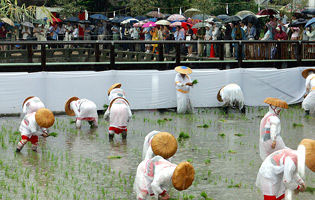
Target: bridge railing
pixel 111 53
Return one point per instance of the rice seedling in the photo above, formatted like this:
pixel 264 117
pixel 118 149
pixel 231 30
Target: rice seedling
pixel 239 134
pixel 203 126
pixel 295 125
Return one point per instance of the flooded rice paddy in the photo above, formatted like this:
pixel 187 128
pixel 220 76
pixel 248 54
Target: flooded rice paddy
pixel 83 164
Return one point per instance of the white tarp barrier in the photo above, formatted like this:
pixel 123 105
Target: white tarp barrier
pixel 148 89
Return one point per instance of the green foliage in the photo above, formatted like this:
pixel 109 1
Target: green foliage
pixel 239 134
pixel 195 82
pixel 114 157
pixel 203 126
pixel 54 134
pixel 183 135
pixel 310 190
pixel 295 125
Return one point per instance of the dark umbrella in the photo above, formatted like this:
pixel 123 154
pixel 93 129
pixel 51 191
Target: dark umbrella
pixel 223 17
pixel 310 22
pixel 99 17
pixel 72 19
pixel 84 22
pixel 233 18
pixel 140 18
pixel 118 19
pixel 201 17
pixel 309 11
pixel 298 22
pixel 267 12
pixel 251 19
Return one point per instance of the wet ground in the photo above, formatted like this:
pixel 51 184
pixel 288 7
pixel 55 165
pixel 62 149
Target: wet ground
pixel 83 164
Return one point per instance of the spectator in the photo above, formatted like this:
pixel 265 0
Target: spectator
pixel 26 33
pixel 200 35
pixel 227 36
pixel 208 36
pixel 189 35
pixel 75 32
pixel 251 32
pixel 147 37
pixel 3 33
pixel 268 33
pixel 280 35
pixel 310 32
pixel 155 37
pixel 166 36
pixel 237 34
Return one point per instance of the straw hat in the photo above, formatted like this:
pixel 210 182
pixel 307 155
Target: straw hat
pixel 183 70
pixel 26 100
pixel 183 176
pixel 309 153
pixel 219 98
pixel 68 110
pixel 164 144
pixel 306 71
pixel 276 102
pixel 116 85
pixel 44 118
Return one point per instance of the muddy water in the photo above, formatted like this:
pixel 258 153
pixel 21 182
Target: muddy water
pixel 77 163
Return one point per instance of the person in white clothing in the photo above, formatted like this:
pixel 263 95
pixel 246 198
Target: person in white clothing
pixel 33 125
pixel 308 103
pixel 118 112
pixel 32 104
pixel 155 141
pixel 270 128
pixel 183 84
pixel 231 95
pixel 284 170
pixel 154 176
pixel 83 109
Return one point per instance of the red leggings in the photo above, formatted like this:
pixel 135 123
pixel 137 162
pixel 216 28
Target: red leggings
pixel 266 197
pixel 33 139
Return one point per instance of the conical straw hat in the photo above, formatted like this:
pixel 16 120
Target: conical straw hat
pixel 68 110
pixel 183 176
pixel 183 70
pixel 26 100
pixel 309 153
pixel 44 118
pixel 116 85
pixel 164 144
pixel 305 72
pixel 219 98
pixel 276 102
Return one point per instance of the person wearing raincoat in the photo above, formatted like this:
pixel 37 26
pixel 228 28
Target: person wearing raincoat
pixel 155 137
pixel 154 177
pixel 118 112
pixel 32 104
pixel 284 170
pixel 231 95
pixel 183 84
pixel 308 103
pixel 84 110
pixel 270 128
pixel 33 125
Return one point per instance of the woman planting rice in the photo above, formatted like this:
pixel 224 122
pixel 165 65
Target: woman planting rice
pixel 32 104
pixel 183 84
pixel 33 125
pixel 118 112
pixel 282 170
pixel 83 109
pixel 231 95
pixel 270 127
pixel 308 103
pixel 154 176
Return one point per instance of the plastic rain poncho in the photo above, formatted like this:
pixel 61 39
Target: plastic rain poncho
pixel 279 172
pixel 154 177
pixel 118 112
pixel 32 105
pixel 84 109
pixel 232 95
pixel 309 101
pixel 182 90
pixel 270 128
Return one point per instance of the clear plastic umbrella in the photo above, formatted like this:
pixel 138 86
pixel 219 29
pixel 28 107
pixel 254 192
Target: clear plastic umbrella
pixel 191 12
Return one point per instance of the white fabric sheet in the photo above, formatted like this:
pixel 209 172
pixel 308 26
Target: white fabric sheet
pixel 148 89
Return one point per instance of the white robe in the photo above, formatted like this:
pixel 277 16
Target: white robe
pixel 279 172
pixel 29 127
pixel 182 90
pixel 232 95
pixel 270 128
pixel 84 110
pixel 32 105
pixel 154 176
pixel 309 102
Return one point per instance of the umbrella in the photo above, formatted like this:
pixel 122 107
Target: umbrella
pixel 200 25
pixel 155 14
pixel 184 25
pixel 72 19
pixel 176 17
pixel 8 21
pixel 131 20
pixel 140 18
pixel 176 24
pixel 148 24
pixel 267 12
pixel 99 17
pixel 232 19
pixel 118 19
pixel 191 12
pixel 251 19
pixel 84 22
pixel 28 24
pixel 54 20
pixel 39 21
pixel 151 20
pixel 310 22
pixel 309 11
pixel 139 24
pixel 163 22
pixel 244 13
pixel 298 22
pixel 211 19
pixel 201 16
pixel 223 17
